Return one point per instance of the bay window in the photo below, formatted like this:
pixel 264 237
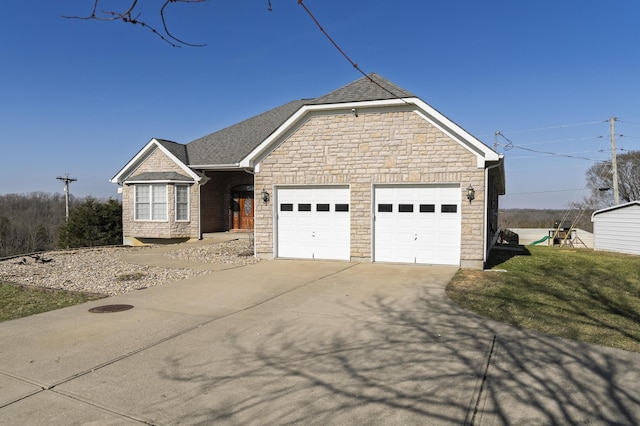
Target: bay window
pixel 150 202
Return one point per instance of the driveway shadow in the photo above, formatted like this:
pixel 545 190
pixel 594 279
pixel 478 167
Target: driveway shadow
pixel 421 360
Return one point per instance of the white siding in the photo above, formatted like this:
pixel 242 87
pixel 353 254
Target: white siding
pixel 618 229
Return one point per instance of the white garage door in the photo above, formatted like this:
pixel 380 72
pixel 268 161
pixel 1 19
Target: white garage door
pixel 417 224
pixel 313 223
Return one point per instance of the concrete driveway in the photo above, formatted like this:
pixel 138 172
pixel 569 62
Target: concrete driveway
pixel 297 342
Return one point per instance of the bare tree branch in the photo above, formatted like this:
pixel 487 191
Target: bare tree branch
pixel 164 22
pixel 127 16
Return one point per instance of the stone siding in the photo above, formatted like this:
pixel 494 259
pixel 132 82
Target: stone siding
pixel 372 148
pixel 157 161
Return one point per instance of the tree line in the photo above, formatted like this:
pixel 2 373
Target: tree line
pixel 36 222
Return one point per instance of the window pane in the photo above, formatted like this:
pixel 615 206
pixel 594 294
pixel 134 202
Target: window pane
pixel 159 193
pixel 159 211
pixel 342 207
pixel 158 202
pixel 182 202
pixel 182 212
pixel 405 208
pixel 322 207
pixel 142 211
pixel 142 207
pixel 182 193
pixel 142 193
pixel 427 208
pixel 286 207
pixel 385 208
pixel 449 208
pixel 304 207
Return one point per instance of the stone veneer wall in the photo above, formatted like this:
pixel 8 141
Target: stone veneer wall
pixel 372 148
pixel 157 161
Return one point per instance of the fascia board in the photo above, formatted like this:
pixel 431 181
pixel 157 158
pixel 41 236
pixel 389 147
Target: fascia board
pixel 235 166
pixel 185 182
pixel 619 206
pixel 428 113
pixel 248 161
pixel 133 163
pixel 143 153
pixel 180 164
pixel 456 132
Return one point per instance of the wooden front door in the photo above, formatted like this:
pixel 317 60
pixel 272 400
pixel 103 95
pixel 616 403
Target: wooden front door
pixel 243 206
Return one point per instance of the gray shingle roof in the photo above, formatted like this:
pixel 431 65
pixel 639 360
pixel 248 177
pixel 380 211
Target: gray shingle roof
pixel 370 88
pixel 230 145
pixel 177 149
pixel 160 176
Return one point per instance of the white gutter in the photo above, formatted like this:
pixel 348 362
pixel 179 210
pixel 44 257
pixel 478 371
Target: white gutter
pixel 184 182
pixel 200 237
pixel 233 166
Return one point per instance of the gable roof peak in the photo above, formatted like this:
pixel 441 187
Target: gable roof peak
pixel 177 149
pixel 372 87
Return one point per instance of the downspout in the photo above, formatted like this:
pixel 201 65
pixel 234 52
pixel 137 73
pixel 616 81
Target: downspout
pixel 200 237
pixel 486 205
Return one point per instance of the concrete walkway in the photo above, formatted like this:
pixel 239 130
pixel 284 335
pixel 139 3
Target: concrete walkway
pixel 303 342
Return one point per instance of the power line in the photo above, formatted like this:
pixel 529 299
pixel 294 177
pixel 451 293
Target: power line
pixel 629 122
pixel 355 65
pixel 561 126
pixel 563 140
pixel 511 145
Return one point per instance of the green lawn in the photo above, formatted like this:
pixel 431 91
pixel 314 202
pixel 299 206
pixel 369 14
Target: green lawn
pixel 18 301
pixel 574 293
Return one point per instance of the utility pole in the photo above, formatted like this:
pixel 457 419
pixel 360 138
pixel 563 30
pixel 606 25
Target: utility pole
pixel 66 179
pixel 614 163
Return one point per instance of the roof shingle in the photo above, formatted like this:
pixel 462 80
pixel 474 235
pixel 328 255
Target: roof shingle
pixel 370 88
pixel 230 145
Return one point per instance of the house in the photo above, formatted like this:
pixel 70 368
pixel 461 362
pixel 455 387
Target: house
pixel 368 172
pixel 617 228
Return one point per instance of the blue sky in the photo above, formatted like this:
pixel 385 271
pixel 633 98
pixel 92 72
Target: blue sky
pixel 82 97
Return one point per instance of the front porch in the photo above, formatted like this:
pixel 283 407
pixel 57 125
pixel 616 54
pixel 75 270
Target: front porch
pixel 227 202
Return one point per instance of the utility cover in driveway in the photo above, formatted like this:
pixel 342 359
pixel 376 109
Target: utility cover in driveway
pixel 313 222
pixel 417 224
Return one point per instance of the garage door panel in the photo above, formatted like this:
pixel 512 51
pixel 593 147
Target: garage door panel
pixel 417 224
pixel 318 227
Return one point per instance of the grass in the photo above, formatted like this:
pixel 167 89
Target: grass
pixel 21 301
pixel 573 293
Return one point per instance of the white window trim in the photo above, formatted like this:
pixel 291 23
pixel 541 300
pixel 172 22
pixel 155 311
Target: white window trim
pixel 188 188
pixel 135 203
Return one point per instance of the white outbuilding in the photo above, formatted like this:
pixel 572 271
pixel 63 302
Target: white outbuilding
pixel 617 228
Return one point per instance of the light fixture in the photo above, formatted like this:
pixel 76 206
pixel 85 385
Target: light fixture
pixel 265 196
pixel 471 194
pixel 354 111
